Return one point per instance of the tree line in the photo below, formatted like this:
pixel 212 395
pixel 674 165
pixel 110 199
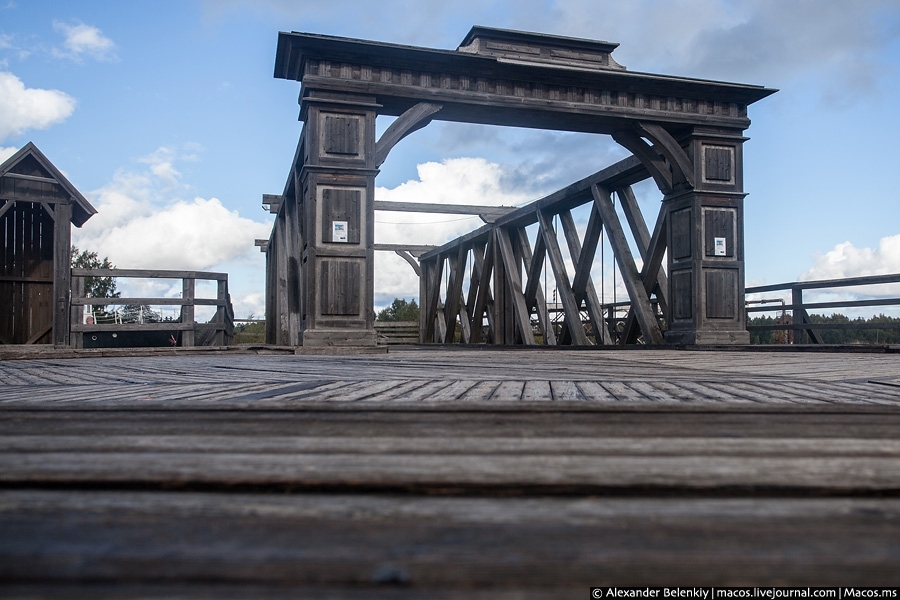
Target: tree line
pixel 845 335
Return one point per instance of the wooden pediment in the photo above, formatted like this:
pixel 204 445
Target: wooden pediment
pixel 28 176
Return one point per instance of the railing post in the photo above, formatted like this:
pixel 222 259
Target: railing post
pixel 187 310
pixel 76 338
pixel 797 315
pixel 221 294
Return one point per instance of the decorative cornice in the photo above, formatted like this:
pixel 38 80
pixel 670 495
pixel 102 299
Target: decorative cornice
pixel 511 78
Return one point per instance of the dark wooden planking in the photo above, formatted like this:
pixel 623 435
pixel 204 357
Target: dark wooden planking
pixel 649 444
pixel 722 421
pixel 454 544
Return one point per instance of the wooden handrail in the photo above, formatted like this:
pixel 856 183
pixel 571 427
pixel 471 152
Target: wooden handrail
pixel 800 321
pixel 223 321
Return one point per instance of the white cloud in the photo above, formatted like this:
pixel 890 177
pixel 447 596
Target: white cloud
pixel 766 41
pixel 24 108
pixel 846 260
pixel 452 181
pixel 193 235
pixel 145 222
pixel 6 153
pixel 142 224
pixel 84 40
pixel 161 164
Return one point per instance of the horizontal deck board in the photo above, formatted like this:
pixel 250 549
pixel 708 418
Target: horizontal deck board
pixel 453 544
pixel 442 473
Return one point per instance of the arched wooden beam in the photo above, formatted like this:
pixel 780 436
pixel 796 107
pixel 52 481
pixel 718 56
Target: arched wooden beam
pixel 648 156
pixel 412 261
pixel 666 145
pixel 412 120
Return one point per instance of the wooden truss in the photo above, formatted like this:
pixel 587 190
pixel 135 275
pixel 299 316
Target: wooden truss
pixel 505 303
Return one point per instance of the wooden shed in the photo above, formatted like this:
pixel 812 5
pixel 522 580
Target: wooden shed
pixel 37 205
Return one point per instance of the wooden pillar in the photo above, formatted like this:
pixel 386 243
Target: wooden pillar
pixel 187 310
pixel 76 339
pixel 271 291
pixel 62 272
pixel 705 240
pixel 337 186
pixel 281 276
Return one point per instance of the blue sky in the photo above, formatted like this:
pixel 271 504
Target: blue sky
pixel 166 115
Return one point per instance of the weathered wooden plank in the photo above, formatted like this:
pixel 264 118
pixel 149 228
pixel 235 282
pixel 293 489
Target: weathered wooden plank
pixel 565 391
pixel 536 391
pixel 618 421
pixel 460 444
pixel 508 391
pixel 149 274
pixel 475 470
pixel 452 546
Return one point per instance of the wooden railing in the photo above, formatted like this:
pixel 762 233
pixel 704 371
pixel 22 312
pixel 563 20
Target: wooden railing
pixel 501 300
pixel 392 333
pixel 219 331
pixel 805 331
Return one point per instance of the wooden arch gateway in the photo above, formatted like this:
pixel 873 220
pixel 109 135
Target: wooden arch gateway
pixel 686 134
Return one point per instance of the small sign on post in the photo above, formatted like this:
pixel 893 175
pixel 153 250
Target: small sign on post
pixel 720 247
pixel 339 231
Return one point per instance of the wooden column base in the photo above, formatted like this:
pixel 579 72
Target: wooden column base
pixel 338 337
pixel 708 338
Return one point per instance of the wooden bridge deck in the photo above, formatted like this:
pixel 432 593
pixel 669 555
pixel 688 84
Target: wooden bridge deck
pixel 440 473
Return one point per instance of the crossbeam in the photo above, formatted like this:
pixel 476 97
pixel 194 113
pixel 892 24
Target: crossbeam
pixel 488 214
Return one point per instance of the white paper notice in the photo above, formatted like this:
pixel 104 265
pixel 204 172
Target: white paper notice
pixel 339 231
pixel 720 247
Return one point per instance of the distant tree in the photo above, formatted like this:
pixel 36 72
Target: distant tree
pixel 139 313
pixel 889 335
pixel 96 287
pixel 250 333
pixel 399 310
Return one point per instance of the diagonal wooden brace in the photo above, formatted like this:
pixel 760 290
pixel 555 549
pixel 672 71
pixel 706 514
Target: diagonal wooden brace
pixel 570 306
pixel 640 299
